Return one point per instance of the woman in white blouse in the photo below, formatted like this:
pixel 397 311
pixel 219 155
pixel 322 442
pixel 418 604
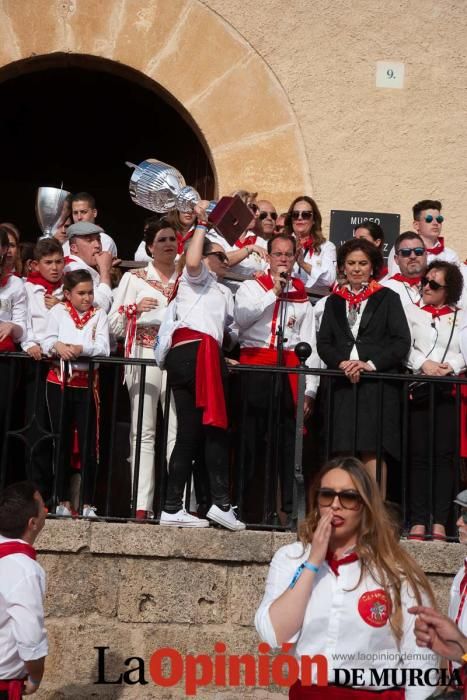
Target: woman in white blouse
pixel 343 591
pixel 140 302
pixel 435 351
pixel 316 257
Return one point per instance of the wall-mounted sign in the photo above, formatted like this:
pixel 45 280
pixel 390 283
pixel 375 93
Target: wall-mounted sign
pixel 344 223
pixel 390 74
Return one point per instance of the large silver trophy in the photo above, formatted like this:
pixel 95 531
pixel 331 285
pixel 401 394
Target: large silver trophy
pixel 159 187
pixel 52 209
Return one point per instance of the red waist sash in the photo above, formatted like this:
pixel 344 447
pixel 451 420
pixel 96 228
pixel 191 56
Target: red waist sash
pixel 209 388
pixel 7 345
pixel 339 692
pixel 268 356
pixel 14 688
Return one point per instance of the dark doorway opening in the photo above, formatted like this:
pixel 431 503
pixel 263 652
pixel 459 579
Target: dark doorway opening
pixel 76 120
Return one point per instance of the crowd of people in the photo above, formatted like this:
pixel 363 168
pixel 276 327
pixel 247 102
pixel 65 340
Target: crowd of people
pixel 195 297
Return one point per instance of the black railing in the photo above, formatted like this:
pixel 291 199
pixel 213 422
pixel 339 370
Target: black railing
pixel 255 479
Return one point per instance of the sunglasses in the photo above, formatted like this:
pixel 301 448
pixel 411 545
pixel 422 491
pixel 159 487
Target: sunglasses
pixel 350 500
pixel 220 256
pixel 407 252
pixel 268 214
pixel 166 238
pixel 306 215
pixel 429 218
pixel 432 284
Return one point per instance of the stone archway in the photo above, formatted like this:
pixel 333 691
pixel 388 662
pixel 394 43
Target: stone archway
pixel 231 94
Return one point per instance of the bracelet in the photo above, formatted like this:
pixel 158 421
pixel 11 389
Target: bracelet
pixel 202 223
pixel 298 573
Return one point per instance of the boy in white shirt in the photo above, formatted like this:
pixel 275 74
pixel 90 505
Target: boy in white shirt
pixel 75 328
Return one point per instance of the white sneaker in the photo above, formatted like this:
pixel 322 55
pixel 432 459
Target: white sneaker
pixel 182 519
pixel 89 512
pixel 62 510
pixel 227 519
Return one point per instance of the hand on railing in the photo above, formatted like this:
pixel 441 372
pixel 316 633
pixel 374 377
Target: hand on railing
pixel 353 368
pixel 436 369
pixel 35 352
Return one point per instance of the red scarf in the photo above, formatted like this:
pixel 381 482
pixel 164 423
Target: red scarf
pixel 334 564
pixel 411 281
pixel 437 312
pixel 7 548
pixel 437 248
pixel 249 239
pixel 5 278
pixel 36 278
pixel 356 299
pixel 182 239
pixel 79 321
pixel 307 246
pixel 297 293
pixel 209 388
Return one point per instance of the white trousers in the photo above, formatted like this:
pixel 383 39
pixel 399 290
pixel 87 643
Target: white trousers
pixel 154 390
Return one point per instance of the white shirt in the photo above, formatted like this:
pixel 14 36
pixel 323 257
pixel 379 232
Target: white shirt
pixel 323 270
pixel 203 305
pixel 135 286
pixel 14 306
pixel 22 632
pixel 107 244
pixel 102 291
pixel 257 313
pixel 343 618
pixel 38 314
pixel 408 294
pixel 455 612
pixel 94 336
pixel 448 254
pixel 430 338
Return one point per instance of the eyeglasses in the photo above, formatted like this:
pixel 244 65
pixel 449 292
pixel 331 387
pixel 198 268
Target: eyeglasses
pixel 220 256
pixel 350 500
pixel 307 215
pixel 276 254
pixel 407 252
pixel 429 218
pixel 166 238
pixel 432 284
pixel 265 214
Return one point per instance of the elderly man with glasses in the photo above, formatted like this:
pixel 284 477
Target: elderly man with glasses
pixel 410 256
pixel 267 217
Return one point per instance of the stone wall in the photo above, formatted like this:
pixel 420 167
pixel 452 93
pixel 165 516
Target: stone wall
pixel 136 588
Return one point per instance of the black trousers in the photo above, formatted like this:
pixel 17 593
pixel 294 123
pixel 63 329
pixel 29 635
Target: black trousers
pixel 443 461
pixel 39 468
pixel 258 390
pixel 192 435
pixel 74 414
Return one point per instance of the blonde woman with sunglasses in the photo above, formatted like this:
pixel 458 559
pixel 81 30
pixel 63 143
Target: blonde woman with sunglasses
pixel 343 591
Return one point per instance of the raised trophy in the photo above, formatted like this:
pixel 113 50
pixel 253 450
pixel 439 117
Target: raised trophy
pixel 52 209
pixel 159 187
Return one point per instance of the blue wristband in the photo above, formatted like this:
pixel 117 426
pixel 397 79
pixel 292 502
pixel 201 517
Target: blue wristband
pixel 298 573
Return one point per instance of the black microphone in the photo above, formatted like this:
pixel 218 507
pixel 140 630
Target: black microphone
pixel 284 277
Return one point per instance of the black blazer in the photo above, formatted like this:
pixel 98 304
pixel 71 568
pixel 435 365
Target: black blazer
pixel 383 336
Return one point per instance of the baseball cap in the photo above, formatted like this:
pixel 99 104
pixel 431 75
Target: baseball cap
pixel 82 228
pixel 461 499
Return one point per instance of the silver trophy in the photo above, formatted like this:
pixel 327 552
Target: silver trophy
pixel 52 209
pixel 159 187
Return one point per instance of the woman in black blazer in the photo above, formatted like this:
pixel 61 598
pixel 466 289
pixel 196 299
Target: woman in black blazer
pixel 364 329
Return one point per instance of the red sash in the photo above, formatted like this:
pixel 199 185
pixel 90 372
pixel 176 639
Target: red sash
pixel 7 548
pixel 36 278
pixel 7 345
pixel 209 388
pixel 339 692
pixel 268 356
pixel 411 281
pixel 14 688
pixel 437 248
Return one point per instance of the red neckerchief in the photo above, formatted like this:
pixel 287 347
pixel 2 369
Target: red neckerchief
pixel 356 299
pixel 307 246
pixel 7 548
pixel 411 281
pixel 36 278
pixel 438 248
pixel 4 280
pixel 437 312
pixel 79 321
pixel 334 564
pixel 298 293
pixel 182 239
pixel 250 239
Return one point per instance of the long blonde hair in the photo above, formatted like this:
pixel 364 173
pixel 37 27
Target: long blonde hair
pixel 378 545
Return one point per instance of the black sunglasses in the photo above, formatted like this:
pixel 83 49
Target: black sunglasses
pixel 264 215
pixel 220 256
pixel 302 215
pixel 432 284
pixel 166 238
pixel 350 500
pixel 429 218
pixel 407 252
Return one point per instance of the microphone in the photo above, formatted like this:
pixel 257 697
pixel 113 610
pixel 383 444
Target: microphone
pixel 284 277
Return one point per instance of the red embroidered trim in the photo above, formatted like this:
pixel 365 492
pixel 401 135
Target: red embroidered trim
pixel 79 321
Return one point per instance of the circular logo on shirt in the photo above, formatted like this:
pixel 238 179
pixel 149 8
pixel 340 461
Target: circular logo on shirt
pixel 375 607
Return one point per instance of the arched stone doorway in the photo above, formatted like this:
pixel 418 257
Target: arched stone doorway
pixel 77 119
